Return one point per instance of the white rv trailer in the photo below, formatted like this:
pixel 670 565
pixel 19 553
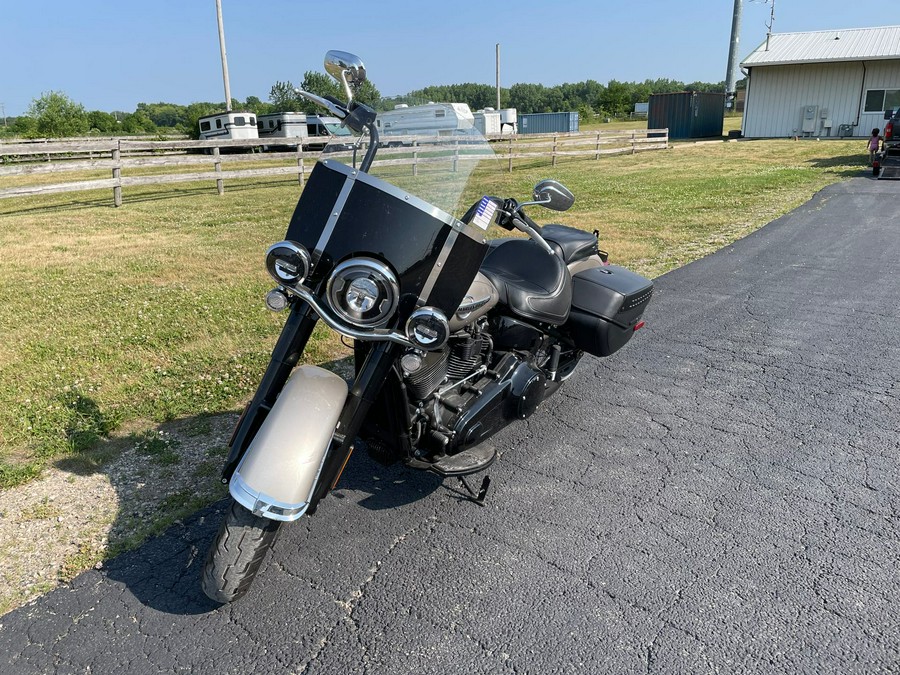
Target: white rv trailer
pixel 487 121
pixel 431 119
pixel 228 125
pixel 314 131
pixel 509 119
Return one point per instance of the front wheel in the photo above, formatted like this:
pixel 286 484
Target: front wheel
pixel 236 554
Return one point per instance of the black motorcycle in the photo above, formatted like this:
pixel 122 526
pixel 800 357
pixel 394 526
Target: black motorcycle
pixel 454 336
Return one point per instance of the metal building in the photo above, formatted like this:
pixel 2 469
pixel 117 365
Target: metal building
pixel 822 83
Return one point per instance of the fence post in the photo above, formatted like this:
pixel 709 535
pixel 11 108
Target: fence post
pixel 117 173
pixel 632 142
pixel 220 184
pixel 598 146
pixel 300 163
pixel 415 158
pixel 456 156
pixel 510 154
pixel 553 161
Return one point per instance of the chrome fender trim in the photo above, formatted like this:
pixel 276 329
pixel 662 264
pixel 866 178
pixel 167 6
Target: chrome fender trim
pixel 278 473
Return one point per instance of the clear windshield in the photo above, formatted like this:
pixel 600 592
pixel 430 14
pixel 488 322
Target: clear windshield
pixel 337 130
pixel 430 151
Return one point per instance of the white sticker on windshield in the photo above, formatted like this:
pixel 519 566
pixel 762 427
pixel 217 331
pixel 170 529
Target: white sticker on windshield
pixel 484 215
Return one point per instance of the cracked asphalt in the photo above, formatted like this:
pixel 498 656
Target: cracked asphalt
pixel 721 496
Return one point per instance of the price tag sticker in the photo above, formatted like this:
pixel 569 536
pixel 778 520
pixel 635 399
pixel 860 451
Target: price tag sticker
pixel 485 213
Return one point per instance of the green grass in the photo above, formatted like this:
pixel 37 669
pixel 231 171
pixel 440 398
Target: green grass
pixel 114 320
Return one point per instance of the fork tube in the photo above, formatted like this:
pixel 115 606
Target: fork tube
pixel 291 343
pixel 365 390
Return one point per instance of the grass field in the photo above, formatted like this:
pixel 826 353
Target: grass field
pixel 114 320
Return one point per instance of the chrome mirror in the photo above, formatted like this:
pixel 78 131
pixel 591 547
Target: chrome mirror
pixel 346 68
pixel 553 195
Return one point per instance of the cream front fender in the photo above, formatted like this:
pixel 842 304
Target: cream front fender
pixel 278 473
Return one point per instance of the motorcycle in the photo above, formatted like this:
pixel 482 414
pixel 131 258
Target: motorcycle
pixel 454 335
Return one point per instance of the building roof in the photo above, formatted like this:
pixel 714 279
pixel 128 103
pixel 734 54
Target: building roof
pixel 827 46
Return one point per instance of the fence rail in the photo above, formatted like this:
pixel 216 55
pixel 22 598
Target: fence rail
pixel 118 155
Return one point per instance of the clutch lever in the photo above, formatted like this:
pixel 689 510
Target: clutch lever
pixel 334 108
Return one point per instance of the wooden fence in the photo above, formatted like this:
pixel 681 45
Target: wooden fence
pixel 118 155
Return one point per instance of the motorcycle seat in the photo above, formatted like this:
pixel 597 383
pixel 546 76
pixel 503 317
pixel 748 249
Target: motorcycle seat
pixel 573 244
pixel 532 283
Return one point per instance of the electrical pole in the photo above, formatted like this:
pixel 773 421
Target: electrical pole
pixel 224 57
pixel 3 114
pixel 498 76
pixel 770 24
pixel 730 85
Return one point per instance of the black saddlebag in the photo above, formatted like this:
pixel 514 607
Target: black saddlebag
pixel 607 305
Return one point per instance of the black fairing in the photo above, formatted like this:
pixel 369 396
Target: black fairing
pixel 344 213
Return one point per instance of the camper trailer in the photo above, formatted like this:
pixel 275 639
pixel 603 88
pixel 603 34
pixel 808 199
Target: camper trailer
pixel 314 131
pixel 487 121
pixel 509 121
pixel 431 119
pixel 228 125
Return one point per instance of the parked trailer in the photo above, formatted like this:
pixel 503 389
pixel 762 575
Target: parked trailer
pixel 487 121
pixel 431 119
pixel 509 121
pixel 228 125
pixel 313 131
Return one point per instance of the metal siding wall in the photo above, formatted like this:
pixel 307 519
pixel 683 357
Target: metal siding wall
pixel 881 75
pixel 779 93
pixel 548 123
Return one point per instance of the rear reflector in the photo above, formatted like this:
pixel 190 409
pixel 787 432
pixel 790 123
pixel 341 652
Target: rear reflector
pixel 639 325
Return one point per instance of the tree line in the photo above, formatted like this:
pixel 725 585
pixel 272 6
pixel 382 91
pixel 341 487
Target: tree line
pixel 54 115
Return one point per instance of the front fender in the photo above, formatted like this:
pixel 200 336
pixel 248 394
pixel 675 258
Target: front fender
pixel 278 473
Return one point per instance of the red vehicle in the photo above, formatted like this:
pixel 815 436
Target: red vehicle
pixel 892 130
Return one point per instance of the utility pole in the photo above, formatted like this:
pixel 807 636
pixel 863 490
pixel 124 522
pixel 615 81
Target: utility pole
pixel 3 114
pixel 224 56
pixel 730 84
pixel 770 24
pixel 498 76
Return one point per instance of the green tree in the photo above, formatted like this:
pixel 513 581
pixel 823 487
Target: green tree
pixel 138 122
pixel 616 100
pixel 102 122
pixel 56 116
pixel 254 105
pixel 192 115
pixel 284 98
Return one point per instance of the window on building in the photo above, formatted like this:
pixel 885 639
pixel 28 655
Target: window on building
pixel 218 123
pixel 204 126
pixel 879 100
pixel 239 121
pixel 252 122
pixel 440 112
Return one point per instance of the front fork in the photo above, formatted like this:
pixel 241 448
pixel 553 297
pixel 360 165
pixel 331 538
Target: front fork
pixel 294 335
pixel 291 343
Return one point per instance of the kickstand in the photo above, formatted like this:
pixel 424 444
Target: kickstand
pixel 476 497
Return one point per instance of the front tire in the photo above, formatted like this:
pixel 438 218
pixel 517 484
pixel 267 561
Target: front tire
pixel 236 554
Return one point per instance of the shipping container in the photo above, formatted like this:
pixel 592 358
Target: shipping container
pixel 687 114
pixel 548 123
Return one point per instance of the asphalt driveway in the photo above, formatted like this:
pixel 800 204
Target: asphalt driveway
pixel 721 496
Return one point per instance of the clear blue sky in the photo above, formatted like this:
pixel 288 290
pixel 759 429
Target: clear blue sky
pixel 110 55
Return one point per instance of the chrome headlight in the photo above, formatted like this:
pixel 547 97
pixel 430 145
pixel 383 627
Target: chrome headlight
pixel 428 328
pixel 287 262
pixel 363 291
